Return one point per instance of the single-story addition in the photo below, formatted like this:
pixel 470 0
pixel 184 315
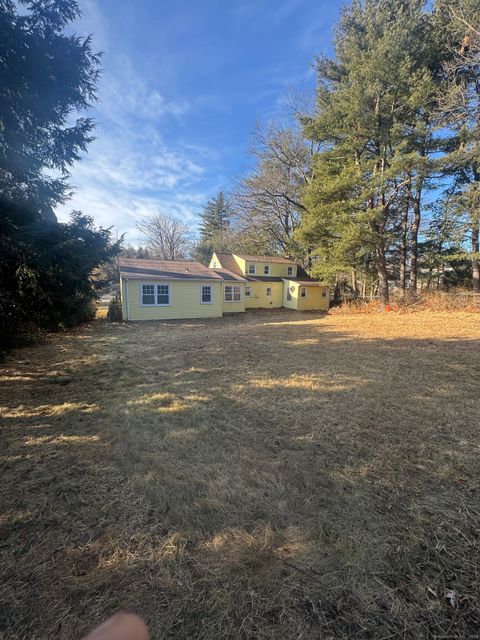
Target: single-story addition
pixel 170 289
pixel 167 289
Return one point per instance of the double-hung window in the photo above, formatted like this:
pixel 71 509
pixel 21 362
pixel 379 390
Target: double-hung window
pixel 266 269
pixel 206 294
pixel 269 292
pixel 303 293
pixel 163 294
pixel 252 270
pixel 289 271
pixel 233 293
pixel 155 295
pixel 148 294
pixel 248 292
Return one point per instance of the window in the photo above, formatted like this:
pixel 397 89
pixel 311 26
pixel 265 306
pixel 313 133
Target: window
pixel 158 294
pixel 252 270
pixel 303 293
pixel 289 271
pixel 148 294
pixel 206 294
pixel 266 270
pixel 163 294
pixel 233 293
pixel 269 292
pixel 214 264
pixel 324 293
pixel 248 292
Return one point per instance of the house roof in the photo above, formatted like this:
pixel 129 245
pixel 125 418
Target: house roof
pixel 230 275
pixel 227 261
pixel 305 283
pixel 165 269
pixel 264 278
pixel 277 259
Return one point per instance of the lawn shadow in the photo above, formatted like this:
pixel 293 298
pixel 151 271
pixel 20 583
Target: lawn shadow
pixel 261 478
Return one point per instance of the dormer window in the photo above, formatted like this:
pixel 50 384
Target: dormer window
pixel 251 269
pixel 289 271
pixel 266 270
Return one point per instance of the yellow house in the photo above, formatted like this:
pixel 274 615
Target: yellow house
pixel 167 289
pixel 273 281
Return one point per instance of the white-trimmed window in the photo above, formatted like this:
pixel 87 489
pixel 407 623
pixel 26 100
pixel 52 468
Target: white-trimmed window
pixel 148 294
pixel 303 292
pixel 269 292
pixel 206 295
pixel 252 269
pixel 289 271
pixel 324 293
pixel 233 293
pixel 214 264
pixel 163 295
pixel 248 292
pixel 155 295
pixel 266 269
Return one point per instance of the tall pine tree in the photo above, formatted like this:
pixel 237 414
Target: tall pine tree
pixel 364 103
pixel 214 228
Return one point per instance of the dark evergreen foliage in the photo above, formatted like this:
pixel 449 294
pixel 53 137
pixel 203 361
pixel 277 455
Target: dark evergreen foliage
pixel 47 77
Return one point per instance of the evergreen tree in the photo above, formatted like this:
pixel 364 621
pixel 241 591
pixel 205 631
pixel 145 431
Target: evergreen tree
pixel 364 104
pixel 215 228
pixel 459 23
pixel 47 76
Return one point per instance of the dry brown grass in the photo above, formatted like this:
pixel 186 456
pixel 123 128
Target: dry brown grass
pixel 278 475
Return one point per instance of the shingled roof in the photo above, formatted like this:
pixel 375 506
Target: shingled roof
pixel 165 269
pixel 274 259
pixel 229 275
pixel 227 261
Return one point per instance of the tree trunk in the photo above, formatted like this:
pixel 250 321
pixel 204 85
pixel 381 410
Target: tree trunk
pixel 417 215
pixel 475 260
pixel 383 290
pixel 404 249
pixel 354 282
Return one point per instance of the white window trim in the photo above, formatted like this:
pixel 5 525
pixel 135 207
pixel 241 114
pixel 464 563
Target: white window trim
pixel 249 294
pixel 289 271
pixel 254 272
pixel 155 294
pixel 302 289
pixel 269 295
pixel 201 293
pixel 266 269
pixel 233 293
pixel 146 304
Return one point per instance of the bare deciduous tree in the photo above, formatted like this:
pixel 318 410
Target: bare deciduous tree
pixel 167 238
pixel 268 202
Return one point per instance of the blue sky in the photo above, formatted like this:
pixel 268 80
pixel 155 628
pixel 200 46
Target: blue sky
pixel 183 85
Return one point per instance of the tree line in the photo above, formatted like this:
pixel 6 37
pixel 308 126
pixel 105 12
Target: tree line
pixel 379 184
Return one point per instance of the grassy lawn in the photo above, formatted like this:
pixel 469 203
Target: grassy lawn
pixel 278 475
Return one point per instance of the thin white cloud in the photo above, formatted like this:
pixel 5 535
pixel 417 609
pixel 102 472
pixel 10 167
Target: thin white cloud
pixel 130 171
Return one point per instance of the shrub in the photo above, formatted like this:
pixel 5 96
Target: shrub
pixel 114 313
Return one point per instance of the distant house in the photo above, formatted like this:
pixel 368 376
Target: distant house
pixel 165 289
